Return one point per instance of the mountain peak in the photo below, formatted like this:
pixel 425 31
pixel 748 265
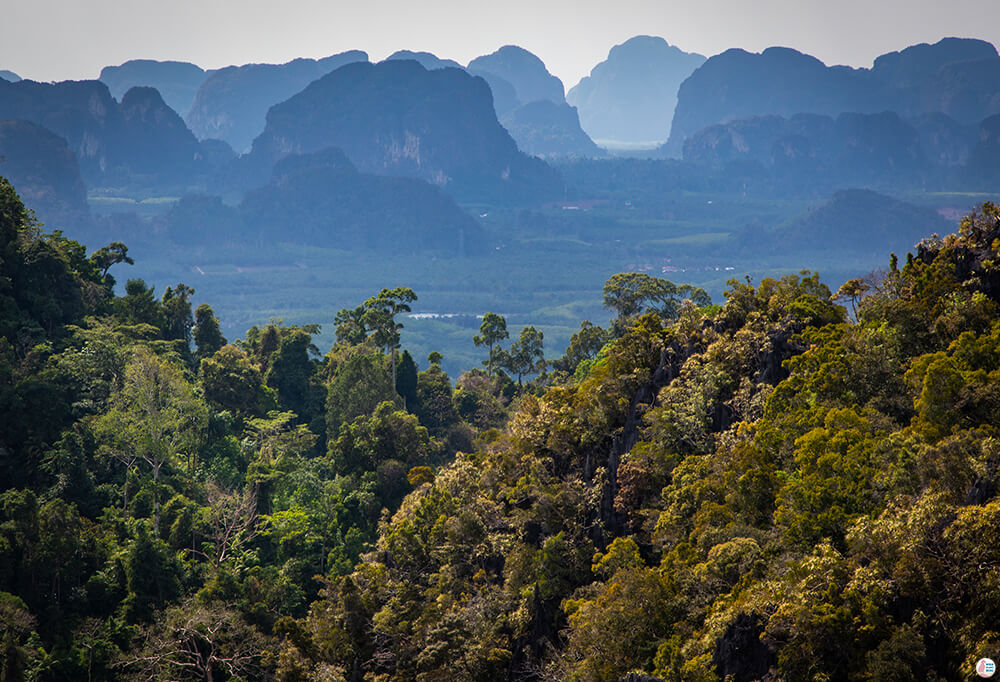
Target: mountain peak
pixel 524 70
pixel 630 96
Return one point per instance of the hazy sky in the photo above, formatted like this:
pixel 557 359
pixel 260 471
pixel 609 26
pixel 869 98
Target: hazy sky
pixel 73 39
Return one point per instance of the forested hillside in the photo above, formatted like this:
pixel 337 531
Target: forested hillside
pixel 790 483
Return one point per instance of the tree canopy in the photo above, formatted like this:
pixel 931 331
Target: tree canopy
pixel 765 489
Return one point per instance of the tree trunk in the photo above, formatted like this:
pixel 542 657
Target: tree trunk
pixel 156 499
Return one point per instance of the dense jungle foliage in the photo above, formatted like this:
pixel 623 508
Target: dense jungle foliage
pixel 770 487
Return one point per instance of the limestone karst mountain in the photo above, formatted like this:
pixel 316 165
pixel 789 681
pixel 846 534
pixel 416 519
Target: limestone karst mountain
pixel 525 71
pixel 178 82
pixel 232 103
pixel 957 77
pixel 139 140
pixel 630 96
pixel 425 59
pixel 397 118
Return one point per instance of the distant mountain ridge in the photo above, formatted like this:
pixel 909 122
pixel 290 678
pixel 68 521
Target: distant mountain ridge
pixel 232 103
pixel 958 77
pixel 853 149
pixel 522 69
pixel 630 96
pixel 425 59
pixel 177 82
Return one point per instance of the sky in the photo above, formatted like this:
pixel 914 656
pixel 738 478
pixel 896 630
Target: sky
pixel 50 40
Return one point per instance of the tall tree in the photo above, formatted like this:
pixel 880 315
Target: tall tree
pixel 492 331
pixel 380 317
pixel 349 325
pixel 584 345
pixel 291 371
pixel 107 256
pixel 526 355
pixel 177 310
pixel 630 294
pixel 139 305
pixel 406 382
pixel 208 338
pixel 155 415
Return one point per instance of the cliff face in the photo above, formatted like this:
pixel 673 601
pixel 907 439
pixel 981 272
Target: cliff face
pixel 630 97
pixel 397 118
pixel 232 103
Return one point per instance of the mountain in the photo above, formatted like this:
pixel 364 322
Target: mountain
pixel 232 103
pixel 863 222
pixel 966 91
pixel 780 81
pixel 82 112
pixel 630 96
pixel 178 82
pixel 505 98
pixel 321 199
pixel 9 76
pixel 911 66
pixel 156 139
pixel 945 141
pixel 546 129
pixel 425 59
pixel 397 118
pixel 957 77
pixel 45 172
pixel 540 128
pixel 140 142
pixel 523 70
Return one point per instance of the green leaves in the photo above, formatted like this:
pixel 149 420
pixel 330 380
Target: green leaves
pixel 526 355
pixel 380 312
pixel 492 331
